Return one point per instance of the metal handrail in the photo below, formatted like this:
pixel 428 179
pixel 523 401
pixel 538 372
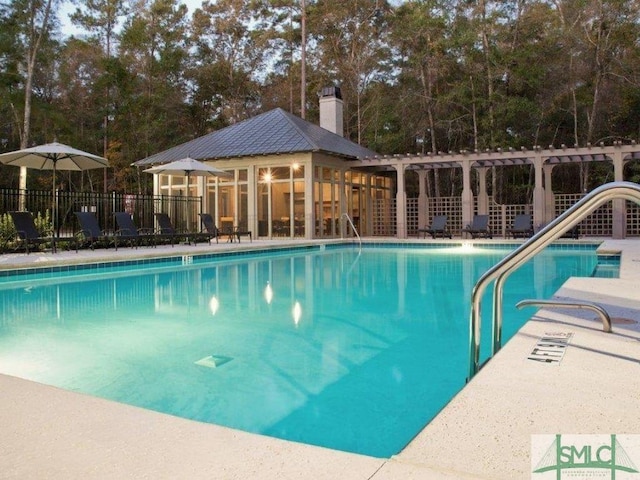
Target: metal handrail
pixel 355 230
pixel 499 272
pixel 579 304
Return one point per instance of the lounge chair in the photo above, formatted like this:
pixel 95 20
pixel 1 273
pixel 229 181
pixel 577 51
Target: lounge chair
pixel 573 232
pixel 438 227
pixel 128 232
pixel 239 231
pixel 232 231
pixel 479 227
pixel 522 226
pixel 91 233
pixel 28 235
pixel 167 230
pixel 209 226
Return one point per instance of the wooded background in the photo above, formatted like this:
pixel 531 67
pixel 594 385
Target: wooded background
pixel 416 76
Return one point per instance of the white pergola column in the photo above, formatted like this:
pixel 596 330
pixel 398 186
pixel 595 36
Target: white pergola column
pixel 549 195
pixel 483 198
pixel 538 192
pixel 401 203
pixel 619 219
pixel 309 205
pixel 467 193
pixel 422 198
pixel 344 207
pixel 369 196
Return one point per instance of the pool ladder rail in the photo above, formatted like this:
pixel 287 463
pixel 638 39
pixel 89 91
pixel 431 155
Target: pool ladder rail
pixel 500 272
pixel 578 304
pixel 353 227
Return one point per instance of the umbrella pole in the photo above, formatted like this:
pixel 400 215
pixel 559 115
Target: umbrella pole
pixel 54 207
pixel 188 215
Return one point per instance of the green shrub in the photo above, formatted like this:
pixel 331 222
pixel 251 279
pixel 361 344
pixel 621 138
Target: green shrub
pixel 8 233
pixel 7 228
pixel 44 224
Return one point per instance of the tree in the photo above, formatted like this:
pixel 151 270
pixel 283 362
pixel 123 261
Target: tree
pixel 233 54
pixel 351 50
pixel 153 59
pixel 101 18
pixel 34 21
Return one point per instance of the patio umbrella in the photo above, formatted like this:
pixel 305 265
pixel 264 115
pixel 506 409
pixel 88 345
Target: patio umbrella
pixel 53 156
pixel 188 166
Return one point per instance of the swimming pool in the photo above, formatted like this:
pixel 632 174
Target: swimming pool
pixel 331 346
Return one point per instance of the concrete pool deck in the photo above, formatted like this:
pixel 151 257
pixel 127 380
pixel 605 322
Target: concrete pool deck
pixel 483 433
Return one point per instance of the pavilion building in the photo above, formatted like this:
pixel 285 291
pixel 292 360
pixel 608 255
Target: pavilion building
pixel 292 178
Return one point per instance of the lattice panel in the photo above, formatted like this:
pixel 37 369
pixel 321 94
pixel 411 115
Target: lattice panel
pixel 449 206
pixel 598 224
pixel 384 217
pixel 502 216
pixel 633 219
pixel 412 216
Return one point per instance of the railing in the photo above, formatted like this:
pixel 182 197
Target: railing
pixel 182 209
pixel 355 230
pixel 500 272
pixel 602 313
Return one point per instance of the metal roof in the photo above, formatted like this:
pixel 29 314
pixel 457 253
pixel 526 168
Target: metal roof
pixel 271 133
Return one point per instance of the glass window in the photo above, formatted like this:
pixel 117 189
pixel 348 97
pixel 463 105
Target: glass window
pixel 298 170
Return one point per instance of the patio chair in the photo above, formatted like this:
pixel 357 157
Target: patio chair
pixel 573 232
pixel 242 231
pixel 209 226
pixel 91 233
pixel 27 234
pixel 522 226
pixel 232 231
pixel 438 227
pixel 128 232
pixel 166 228
pixel 479 227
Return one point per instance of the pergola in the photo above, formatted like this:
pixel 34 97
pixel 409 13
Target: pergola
pixel 543 161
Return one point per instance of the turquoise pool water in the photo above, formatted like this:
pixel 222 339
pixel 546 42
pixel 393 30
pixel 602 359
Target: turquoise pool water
pixel 350 350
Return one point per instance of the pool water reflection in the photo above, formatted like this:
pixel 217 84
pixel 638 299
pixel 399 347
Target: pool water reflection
pixel 351 351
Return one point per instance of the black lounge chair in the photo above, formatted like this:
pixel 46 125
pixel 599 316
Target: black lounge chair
pixel 167 230
pixel 522 226
pixel 240 231
pixel 479 227
pixel 90 232
pixel 438 228
pixel 209 226
pixel 128 232
pixel 28 235
pixel 231 231
pixel 573 232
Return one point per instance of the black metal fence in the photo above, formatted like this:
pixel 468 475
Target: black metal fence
pixel 182 210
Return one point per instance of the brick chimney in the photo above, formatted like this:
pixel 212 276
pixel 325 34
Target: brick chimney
pixel 331 110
